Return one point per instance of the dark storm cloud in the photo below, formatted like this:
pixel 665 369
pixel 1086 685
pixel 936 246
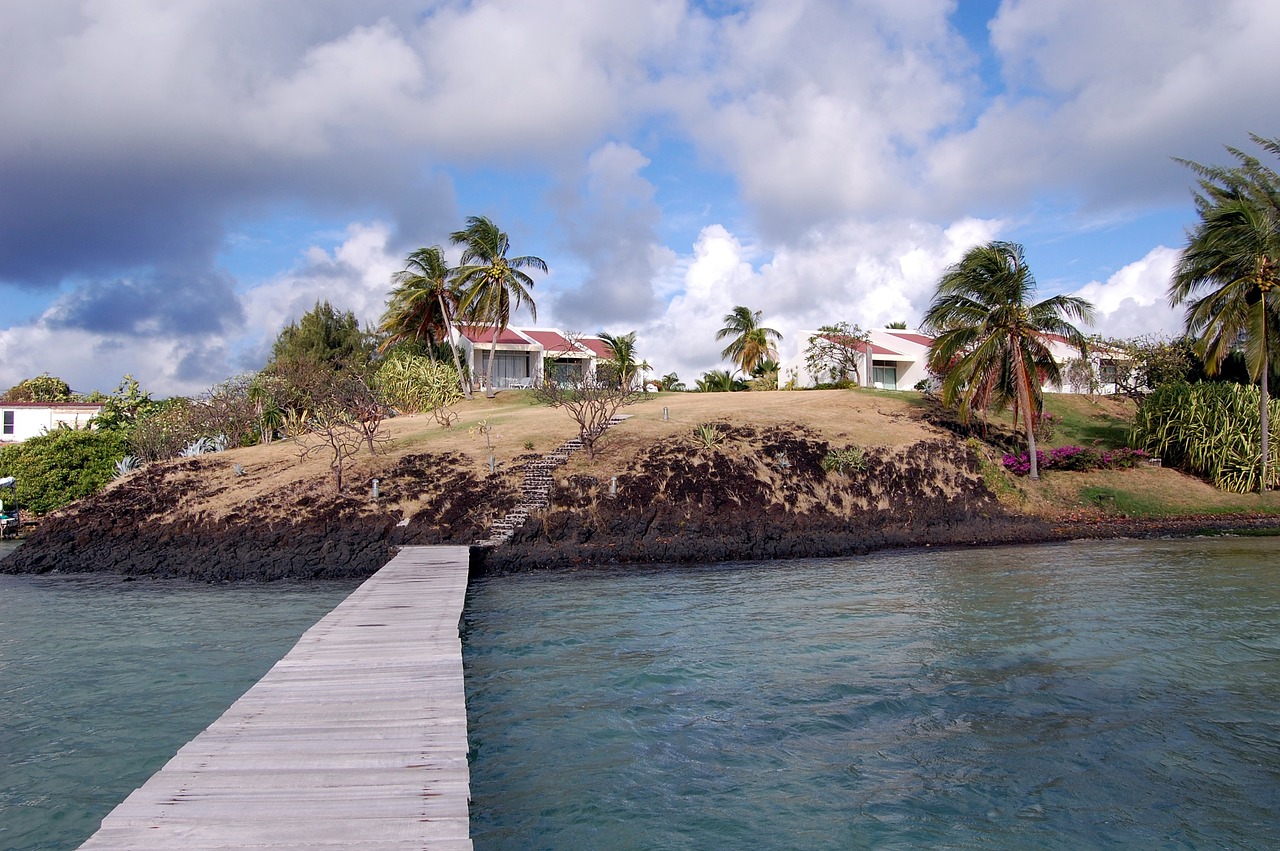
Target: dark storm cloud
pixel 167 304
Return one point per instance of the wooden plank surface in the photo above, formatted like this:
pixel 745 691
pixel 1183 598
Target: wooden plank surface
pixel 356 738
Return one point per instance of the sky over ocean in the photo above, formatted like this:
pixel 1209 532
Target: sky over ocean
pixel 178 181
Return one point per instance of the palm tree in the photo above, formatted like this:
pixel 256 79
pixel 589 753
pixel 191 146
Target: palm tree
pixel 1229 266
pixel 490 283
pixel 671 383
pixel 622 352
pixel 992 345
pixel 421 306
pixel 751 342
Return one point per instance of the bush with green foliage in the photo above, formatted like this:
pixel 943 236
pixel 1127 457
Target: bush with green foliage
pixel 42 388
pixel 412 384
pixel 1209 430
pixel 62 466
pixel 850 459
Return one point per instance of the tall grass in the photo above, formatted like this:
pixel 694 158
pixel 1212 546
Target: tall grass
pixel 1208 430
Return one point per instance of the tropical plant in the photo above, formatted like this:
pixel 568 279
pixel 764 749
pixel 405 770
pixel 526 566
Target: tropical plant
pixel 670 383
pixel 125 466
pixel 422 306
pixel 1229 267
pixel 844 461
pixel 1208 430
pixel 413 384
pixel 765 375
pixel 622 356
pixel 749 341
pixel 708 435
pixel 720 381
pixel 489 283
pixel 992 346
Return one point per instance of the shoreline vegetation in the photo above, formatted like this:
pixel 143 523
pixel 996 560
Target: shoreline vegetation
pixel 687 478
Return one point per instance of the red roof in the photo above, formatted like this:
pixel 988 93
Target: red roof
pixel 476 334
pixel 597 347
pixel 919 339
pixel 552 341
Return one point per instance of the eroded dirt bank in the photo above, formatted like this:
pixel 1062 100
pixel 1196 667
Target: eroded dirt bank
pixel 755 493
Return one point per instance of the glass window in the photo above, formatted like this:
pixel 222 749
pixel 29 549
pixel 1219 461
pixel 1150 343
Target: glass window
pixel 8 422
pixel 884 376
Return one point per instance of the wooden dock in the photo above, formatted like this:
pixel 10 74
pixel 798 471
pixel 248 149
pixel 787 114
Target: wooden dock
pixel 356 739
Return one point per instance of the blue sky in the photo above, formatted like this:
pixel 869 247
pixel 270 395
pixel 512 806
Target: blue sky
pixel 178 181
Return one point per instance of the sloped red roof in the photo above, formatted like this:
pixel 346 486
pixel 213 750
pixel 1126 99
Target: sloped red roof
pixel 881 350
pixel 918 339
pixel 477 334
pixel 552 341
pixel 597 347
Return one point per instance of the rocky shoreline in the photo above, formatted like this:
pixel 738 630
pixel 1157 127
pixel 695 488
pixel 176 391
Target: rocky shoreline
pixel 763 494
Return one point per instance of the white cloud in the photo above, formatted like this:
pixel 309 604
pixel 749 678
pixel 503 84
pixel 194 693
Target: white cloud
pixel 1134 301
pixel 863 273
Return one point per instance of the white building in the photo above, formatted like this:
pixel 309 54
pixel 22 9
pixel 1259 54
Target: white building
pixel 895 359
pixel 523 354
pixel 21 421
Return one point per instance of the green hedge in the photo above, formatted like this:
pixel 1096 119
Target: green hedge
pixel 60 467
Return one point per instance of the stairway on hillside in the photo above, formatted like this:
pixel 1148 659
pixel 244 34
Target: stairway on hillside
pixel 535 490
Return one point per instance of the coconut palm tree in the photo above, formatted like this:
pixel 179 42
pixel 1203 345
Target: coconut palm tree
pixel 992 345
pixel 489 283
pixel 422 306
pixel 622 354
pixel 750 341
pixel 1228 269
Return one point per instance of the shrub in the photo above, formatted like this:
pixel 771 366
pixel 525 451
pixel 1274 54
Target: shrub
pixel 61 466
pixel 843 461
pixel 1075 458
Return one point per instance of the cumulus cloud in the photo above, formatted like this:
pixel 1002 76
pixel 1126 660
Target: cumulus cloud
pixel 611 224
pixel 1134 301
pixel 863 273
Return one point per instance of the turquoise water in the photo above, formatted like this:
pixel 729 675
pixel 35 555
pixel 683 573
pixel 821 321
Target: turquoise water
pixel 1089 695
pixel 101 681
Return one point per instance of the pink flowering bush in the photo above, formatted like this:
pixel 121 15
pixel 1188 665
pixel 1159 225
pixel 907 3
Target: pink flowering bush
pixel 1076 458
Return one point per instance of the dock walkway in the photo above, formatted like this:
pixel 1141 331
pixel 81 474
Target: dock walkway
pixel 355 739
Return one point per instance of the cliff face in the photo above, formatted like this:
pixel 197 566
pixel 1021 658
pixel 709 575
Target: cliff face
pixel 752 494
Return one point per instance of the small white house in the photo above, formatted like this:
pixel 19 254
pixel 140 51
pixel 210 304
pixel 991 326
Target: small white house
pixel 522 354
pixel 21 421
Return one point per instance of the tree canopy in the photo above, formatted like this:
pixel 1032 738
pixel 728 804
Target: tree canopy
pixel 749 341
pixel 993 345
pixel 1228 269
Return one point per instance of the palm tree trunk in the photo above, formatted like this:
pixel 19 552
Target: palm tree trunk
pixel 457 361
pixel 1024 391
pixel 489 391
pixel 1265 415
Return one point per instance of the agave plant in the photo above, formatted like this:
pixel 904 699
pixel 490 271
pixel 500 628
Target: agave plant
pixel 125 466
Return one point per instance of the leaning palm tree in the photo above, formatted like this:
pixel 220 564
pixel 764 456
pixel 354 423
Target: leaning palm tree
pixel 1227 270
pixel 490 284
pixel 421 306
pixel 750 342
pixel 993 345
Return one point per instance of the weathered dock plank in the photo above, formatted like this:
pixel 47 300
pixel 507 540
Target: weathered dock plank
pixel 356 738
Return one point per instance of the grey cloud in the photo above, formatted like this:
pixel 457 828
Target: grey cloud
pixel 168 304
pixel 612 225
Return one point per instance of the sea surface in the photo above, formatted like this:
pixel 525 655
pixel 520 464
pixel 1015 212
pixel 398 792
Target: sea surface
pixel 101 681
pixel 1086 695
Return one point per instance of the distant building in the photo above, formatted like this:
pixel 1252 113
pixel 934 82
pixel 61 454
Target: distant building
pixel 21 421
pixel 523 354
pixel 895 359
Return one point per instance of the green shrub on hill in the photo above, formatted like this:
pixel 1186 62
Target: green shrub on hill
pixel 61 466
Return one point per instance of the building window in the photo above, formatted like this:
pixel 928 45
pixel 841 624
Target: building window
pixel 8 422
pixel 1108 371
pixel 884 375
